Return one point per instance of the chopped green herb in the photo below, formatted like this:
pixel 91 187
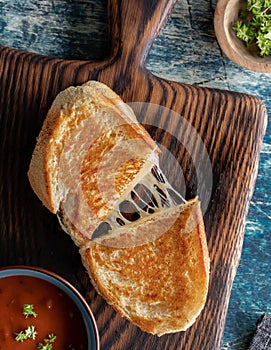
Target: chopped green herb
pixel 20 336
pixel 29 310
pixel 51 338
pixel 48 342
pixel 29 333
pixel 254 25
pixel 45 347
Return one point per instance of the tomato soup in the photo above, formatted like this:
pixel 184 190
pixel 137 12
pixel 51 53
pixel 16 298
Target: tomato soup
pixel 56 320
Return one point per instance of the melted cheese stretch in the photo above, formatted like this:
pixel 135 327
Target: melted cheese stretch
pixel 150 195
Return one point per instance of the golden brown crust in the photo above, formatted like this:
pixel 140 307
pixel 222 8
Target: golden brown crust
pixel 161 286
pixel 154 271
pixel 93 102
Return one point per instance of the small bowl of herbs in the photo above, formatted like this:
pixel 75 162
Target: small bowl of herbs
pixel 243 30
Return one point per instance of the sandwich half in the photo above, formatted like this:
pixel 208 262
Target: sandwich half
pixel 160 285
pixel 76 168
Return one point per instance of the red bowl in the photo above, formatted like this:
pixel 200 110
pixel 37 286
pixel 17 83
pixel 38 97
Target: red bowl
pixel 58 283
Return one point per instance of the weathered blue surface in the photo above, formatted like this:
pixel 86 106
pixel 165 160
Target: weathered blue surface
pixel 55 28
pixel 185 51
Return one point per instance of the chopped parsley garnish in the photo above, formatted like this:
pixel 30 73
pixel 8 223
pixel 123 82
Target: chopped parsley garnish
pixel 20 336
pixel 29 310
pixel 29 333
pixel 47 342
pixel 254 25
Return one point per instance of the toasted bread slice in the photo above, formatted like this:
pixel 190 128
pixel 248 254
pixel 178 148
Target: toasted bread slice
pixel 76 162
pixel 159 283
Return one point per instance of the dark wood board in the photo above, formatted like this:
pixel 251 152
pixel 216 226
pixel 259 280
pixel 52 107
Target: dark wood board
pixel 230 124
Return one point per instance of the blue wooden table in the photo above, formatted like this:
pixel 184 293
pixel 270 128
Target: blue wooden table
pixel 185 51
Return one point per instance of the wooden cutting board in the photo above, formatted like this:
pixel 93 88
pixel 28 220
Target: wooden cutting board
pixel 231 126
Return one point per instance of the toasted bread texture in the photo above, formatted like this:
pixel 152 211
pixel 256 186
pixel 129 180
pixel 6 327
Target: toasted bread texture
pixel 87 130
pixel 93 162
pixel 160 285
